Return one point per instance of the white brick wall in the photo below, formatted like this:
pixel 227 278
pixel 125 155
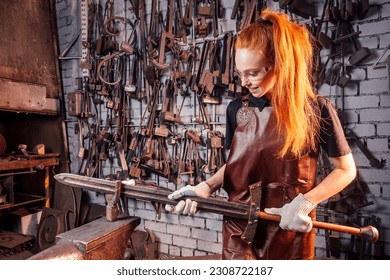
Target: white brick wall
pixel 367 112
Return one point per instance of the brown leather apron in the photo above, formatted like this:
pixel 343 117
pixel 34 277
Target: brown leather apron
pixel 252 158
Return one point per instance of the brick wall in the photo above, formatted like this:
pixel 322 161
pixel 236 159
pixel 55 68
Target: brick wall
pixel 364 103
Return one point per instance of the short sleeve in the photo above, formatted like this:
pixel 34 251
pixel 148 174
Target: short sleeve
pixel 332 137
pixel 231 124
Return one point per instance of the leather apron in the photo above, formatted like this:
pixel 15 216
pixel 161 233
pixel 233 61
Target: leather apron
pixel 252 158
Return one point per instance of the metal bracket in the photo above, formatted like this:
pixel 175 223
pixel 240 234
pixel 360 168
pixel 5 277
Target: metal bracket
pixel 63 56
pixel 112 202
pixel 377 63
pixel 84 33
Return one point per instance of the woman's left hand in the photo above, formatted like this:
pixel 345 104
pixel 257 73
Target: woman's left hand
pixel 294 215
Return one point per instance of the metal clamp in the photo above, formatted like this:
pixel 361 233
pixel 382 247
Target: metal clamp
pixel 112 202
pixel 253 215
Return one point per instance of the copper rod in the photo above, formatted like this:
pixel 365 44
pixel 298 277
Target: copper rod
pixel 369 233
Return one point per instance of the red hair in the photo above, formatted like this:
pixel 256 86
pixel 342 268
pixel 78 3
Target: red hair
pixel 290 49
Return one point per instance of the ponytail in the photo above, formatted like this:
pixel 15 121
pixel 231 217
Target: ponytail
pixel 290 48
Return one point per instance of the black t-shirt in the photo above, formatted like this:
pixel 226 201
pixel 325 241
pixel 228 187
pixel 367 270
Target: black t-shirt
pixel 332 138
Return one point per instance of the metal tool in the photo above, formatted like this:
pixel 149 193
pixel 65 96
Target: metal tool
pixel 153 193
pixel 97 240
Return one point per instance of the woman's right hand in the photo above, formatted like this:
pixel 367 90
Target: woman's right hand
pixel 188 206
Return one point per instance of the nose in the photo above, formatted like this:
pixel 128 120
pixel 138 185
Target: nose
pixel 244 81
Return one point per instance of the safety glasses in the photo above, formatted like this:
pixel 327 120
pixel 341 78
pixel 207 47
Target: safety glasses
pixel 253 75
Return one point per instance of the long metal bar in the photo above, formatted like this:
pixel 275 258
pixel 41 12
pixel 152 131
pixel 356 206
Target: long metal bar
pixel 150 192
pixel 154 193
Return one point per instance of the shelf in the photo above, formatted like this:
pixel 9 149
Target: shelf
pixel 12 166
pixel 25 97
pixel 22 199
pixel 33 161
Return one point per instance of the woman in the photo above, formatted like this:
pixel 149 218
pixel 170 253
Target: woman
pixel 274 135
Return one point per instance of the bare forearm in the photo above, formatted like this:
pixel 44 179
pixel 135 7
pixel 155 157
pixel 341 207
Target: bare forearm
pixel 337 180
pixel 215 182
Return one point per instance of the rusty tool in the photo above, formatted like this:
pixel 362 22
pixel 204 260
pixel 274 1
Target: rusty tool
pixel 150 192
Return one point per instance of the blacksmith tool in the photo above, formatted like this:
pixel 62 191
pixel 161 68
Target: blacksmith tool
pixel 150 192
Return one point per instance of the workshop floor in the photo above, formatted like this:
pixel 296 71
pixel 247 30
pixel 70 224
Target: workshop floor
pixel 19 252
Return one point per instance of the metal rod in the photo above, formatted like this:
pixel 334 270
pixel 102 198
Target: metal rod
pixel 151 192
pixel 375 65
pixel 18 173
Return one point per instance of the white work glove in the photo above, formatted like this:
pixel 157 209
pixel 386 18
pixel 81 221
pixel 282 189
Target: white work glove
pixel 188 206
pixel 294 215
